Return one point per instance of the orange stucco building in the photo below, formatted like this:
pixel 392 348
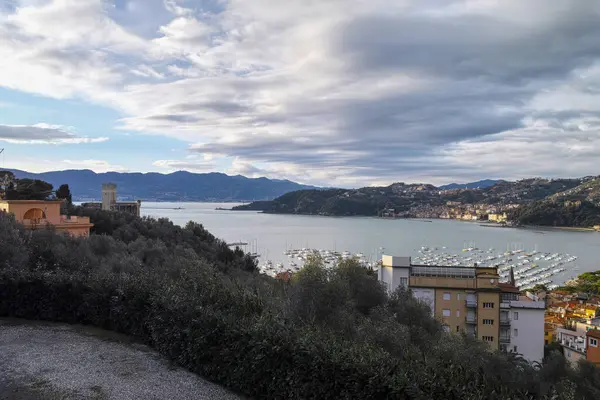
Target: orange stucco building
pixel 39 214
pixel 593 348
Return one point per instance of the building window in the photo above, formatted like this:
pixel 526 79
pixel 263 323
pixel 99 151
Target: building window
pixel 568 353
pixel 487 338
pixel 516 315
pixel 516 332
pixel 545 342
pixel 515 349
pixel 488 305
pixel 458 296
pixel 457 314
pixel 446 328
pixel 593 342
pixel 446 296
pixel 404 282
pixel 458 329
pixel 446 312
pixel 488 322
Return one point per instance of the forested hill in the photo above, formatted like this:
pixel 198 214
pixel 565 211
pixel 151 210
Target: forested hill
pixel 423 200
pixel 178 186
pixel 575 207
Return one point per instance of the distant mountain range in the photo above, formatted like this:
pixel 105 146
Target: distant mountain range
pixel 86 185
pixel 472 185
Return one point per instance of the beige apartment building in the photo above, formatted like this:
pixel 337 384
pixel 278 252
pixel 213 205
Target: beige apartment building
pixel 465 299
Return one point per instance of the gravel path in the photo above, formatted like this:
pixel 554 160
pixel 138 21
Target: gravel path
pixel 52 361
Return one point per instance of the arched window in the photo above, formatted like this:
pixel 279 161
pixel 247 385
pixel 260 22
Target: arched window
pixel 35 214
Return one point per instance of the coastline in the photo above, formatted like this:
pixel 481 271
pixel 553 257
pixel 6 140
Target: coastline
pixel 484 224
pixel 560 228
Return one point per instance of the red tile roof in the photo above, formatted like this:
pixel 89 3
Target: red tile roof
pixel 508 288
pixel 594 333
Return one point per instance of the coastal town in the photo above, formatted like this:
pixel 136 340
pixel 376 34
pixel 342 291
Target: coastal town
pixel 570 203
pixel 572 323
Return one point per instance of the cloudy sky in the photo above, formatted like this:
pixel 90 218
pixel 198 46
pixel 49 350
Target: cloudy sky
pixel 330 92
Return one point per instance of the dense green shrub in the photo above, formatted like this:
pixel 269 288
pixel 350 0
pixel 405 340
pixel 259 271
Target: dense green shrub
pixel 552 213
pixel 329 333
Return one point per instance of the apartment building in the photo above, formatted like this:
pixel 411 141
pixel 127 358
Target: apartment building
pixel 472 300
pixel 523 328
pixel 579 340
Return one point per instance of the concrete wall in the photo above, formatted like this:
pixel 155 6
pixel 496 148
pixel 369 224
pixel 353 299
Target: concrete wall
pixel 530 338
pixel 573 356
pixel 392 276
pixel 393 270
pixel 428 281
pixel 109 195
pixel 393 261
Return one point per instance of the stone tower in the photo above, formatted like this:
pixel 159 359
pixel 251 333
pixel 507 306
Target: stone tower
pixel 109 196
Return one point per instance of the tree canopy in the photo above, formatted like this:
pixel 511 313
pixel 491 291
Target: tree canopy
pixel 64 193
pixel 331 332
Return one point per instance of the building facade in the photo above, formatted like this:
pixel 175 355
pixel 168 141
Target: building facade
pixel 40 214
pixel 525 328
pixel 472 300
pixel 580 340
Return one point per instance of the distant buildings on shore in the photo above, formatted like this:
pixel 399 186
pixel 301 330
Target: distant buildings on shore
pixel 110 203
pixel 472 300
pixel 455 210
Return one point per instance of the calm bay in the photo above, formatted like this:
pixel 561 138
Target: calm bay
pixel 271 234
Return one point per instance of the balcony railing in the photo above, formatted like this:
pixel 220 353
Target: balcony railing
pixel 74 220
pixel 504 339
pixel 504 321
pixel 471 303
pixel 471 319
pixel 504 305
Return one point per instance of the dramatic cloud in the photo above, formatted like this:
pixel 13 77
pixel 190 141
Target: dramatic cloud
pixel 43 134
pixel 340 92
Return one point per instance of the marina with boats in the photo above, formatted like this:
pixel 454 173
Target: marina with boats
pixel 530 268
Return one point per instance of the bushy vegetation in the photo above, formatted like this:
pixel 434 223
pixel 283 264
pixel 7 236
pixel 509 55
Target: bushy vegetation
pixel 329 333
pixel 587 283
pixel 552 213
pixel 12 188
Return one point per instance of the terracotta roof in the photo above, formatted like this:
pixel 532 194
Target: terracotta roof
pixel 508 288
pixel 594 333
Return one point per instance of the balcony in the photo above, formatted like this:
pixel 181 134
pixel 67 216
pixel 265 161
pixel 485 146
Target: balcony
pixel 73 220
pixel 504 339
pixel 471 303
pixel 504 321
pixel 504 305
pixel 471 319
